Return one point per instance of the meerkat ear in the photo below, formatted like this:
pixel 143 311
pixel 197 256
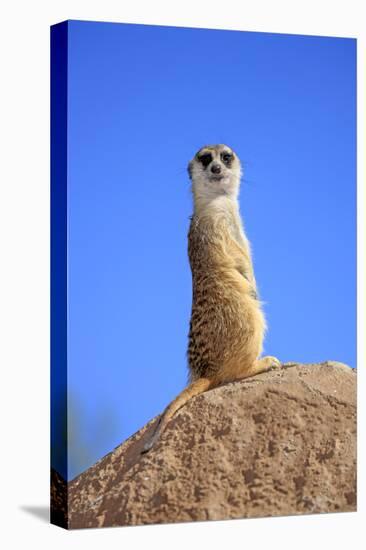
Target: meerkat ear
pixel 189 168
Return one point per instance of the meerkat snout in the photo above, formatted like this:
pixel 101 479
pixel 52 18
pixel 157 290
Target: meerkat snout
pixel 215 168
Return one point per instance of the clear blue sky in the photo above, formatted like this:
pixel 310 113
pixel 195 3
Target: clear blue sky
pixel 142 100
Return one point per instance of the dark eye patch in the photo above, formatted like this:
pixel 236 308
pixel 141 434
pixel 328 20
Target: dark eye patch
pixel 227 158
pixel 205 159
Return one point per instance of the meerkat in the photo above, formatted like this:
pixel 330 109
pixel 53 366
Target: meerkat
pixel 227 323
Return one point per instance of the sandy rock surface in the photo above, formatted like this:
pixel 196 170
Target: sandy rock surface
pixel 281 443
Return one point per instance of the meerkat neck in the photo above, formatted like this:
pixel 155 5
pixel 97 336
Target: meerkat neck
pixel 204 205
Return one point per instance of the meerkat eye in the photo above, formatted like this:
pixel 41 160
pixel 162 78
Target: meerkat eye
pixel 205 159
pixel 226 157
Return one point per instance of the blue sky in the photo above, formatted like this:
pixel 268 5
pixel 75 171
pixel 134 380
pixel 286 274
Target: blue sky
pixel 142 101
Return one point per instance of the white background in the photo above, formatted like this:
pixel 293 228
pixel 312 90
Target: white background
pixel 24 270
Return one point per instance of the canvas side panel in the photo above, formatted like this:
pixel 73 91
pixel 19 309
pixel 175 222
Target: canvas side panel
pixel 59 474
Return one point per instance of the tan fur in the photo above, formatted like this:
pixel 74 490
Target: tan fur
pixel 227 323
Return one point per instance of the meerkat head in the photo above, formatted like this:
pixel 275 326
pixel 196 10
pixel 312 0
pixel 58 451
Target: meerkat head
pixel 215 171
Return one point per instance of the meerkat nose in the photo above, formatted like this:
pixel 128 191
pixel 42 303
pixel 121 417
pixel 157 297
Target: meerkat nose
pixel 215 168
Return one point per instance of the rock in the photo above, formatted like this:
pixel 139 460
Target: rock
pixel 58 498
pixel 280 443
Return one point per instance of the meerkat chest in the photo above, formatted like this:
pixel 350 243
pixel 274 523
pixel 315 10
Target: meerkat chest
pixel 213 240
pixel 219 251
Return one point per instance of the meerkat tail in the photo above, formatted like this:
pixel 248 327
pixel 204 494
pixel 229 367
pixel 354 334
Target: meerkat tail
pixel 195 388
